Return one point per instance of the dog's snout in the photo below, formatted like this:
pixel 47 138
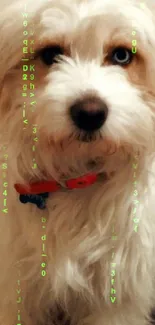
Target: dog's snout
pixel 89 114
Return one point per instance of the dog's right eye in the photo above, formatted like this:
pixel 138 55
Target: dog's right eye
pixel 48 55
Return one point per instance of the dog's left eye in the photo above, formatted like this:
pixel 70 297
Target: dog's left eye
pixel 121 56
pixel 49 54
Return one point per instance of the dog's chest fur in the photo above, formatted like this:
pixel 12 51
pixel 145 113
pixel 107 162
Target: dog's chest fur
pixel 77 228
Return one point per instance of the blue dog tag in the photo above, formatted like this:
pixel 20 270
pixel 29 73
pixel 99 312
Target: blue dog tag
pixel 38 199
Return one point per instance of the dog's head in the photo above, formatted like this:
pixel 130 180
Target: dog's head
pixel 85 99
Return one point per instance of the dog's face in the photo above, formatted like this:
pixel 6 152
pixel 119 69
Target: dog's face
pixel 94 85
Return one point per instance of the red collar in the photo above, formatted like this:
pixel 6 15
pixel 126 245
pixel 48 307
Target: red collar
pixel 53 186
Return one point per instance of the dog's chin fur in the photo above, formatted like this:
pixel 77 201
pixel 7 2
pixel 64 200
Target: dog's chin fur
pixel 93 278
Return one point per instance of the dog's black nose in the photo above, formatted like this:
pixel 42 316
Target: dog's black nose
pixel 89 114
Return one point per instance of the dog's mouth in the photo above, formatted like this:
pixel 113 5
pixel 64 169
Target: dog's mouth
pixel 88 136
pixel 91 164
pixel 82 154
pixel 73 157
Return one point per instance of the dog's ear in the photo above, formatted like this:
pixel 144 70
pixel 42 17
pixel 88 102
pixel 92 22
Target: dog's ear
pixel 15 18
pixel 145 38
pixel 9 50
pixel 11 35
pixel 11 44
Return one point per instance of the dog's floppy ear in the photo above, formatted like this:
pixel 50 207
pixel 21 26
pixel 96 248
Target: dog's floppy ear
pixel 11 44
pixel 10 49
pixel 12 27
pixel 10 33
pixel 145 39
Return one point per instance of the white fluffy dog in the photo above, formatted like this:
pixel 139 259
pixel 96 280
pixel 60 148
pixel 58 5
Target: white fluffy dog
pixel 77 97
